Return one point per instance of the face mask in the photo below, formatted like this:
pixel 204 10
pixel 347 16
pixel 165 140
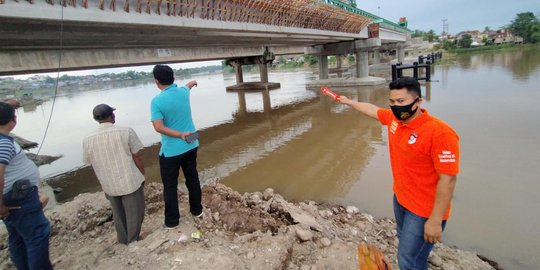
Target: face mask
pixel 404 112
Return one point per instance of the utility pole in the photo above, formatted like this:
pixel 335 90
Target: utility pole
pixel 445 27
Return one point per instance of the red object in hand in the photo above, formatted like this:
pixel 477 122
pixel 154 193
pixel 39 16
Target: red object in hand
pixel 329 93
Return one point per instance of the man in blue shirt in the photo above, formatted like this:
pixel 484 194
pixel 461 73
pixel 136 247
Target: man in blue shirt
pixel 170 113
pixel 20 207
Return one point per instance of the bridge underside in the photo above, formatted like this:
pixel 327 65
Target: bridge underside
pixel 41 37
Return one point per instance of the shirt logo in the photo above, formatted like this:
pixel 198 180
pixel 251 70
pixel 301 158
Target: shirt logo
pixel 412 138
pixel 447 156
pixel 393 127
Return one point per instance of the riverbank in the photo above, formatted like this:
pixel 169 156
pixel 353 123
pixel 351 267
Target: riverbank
pixel 250 231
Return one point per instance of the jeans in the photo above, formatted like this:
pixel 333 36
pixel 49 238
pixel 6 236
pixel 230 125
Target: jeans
pixel 413 251
pixel 28 231
pixel 169 169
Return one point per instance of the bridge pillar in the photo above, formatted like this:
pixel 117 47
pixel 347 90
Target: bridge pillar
pixel 263 72
pixel 362 67
pixel 401 52
pixel 376 57
pixel 238 72
pixel 262 62
pixel 323 67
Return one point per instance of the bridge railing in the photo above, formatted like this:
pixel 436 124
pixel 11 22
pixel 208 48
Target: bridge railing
pixel 383 22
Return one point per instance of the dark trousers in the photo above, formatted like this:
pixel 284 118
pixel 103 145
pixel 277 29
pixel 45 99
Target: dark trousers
pixel 29 232
pixel 170 169
pixel 128 215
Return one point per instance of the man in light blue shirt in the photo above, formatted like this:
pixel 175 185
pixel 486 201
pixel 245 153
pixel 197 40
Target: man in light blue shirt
pixel 170 113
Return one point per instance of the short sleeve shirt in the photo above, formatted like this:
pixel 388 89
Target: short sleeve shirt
pixel 109 150
pixel 18 166
pixel 173 107
pixel 419 152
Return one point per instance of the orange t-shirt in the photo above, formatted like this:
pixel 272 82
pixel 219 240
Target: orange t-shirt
pixel 419 152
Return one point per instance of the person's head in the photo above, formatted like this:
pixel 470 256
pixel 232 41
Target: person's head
pixel 104 113
pixel 13 103
pixel 405 97
pixel 8 119
pixel 164 75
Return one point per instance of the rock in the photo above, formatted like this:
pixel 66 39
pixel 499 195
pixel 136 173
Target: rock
pixel 158 242
pixel 304 235
pixel 215 216
pixel 305 267
pixel 268 194
pixel 302 217
pixel 325 213
pixel 352 210
pixel 250 255
pixel 326 242
pixel 435 259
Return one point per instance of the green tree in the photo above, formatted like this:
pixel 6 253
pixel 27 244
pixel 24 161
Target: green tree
pixel 49 80
pixel 417 33
pixel 465 41
pixel 523 26
pixel 430 35
pixel 534 29
pixel 448 45
pixel 487 29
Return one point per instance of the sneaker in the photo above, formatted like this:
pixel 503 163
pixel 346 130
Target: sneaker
pixel 164 226
pixel 199 215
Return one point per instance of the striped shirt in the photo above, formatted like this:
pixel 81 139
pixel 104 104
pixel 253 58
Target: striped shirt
pixel 109 150
pixel 18 166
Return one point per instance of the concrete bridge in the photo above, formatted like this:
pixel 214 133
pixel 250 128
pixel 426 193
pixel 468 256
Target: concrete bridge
pixel 51 35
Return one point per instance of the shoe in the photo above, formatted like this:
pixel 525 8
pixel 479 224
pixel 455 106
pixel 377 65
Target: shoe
pixel 164 226
pixel 199 215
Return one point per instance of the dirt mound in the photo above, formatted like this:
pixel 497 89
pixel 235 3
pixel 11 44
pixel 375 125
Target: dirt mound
pixel 250 231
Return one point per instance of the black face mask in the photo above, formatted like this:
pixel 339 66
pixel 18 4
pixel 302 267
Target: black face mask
pixel 404 112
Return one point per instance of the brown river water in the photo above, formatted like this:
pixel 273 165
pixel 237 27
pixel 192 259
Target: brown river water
pixel 308 147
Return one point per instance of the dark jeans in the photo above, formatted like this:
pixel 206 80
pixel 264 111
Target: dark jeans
pixel 170 169
pixel 413 251
pixel 28 231
pixel 128 214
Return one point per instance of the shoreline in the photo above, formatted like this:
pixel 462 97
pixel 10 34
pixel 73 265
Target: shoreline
pixel 259 230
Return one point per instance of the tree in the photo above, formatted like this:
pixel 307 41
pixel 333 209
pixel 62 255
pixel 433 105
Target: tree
pixel 487 29
pixel 430 35
pixel 465 41
pixel 523 26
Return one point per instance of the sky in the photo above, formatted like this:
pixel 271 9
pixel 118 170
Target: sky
pixel 461 15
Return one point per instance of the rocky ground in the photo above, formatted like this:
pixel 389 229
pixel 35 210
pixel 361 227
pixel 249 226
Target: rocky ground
pixel 250 231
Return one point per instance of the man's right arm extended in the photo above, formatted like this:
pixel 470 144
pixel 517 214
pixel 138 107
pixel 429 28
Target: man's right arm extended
pixel 363 107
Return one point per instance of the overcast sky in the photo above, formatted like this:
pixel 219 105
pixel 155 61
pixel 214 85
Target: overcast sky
pixel 461 15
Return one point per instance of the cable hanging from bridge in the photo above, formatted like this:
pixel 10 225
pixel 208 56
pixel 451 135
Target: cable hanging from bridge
pixel 57 78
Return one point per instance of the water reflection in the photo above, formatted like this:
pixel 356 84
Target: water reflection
pixel 521 62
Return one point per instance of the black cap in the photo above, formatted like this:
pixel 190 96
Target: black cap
pixel 102 111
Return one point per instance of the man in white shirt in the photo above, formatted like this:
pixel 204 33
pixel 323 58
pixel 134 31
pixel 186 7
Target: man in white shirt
pixel 113 152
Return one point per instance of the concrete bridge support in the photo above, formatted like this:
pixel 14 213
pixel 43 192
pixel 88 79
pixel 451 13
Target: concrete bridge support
pixel 361 50
pixel 401 52
pixel 323 67
pixel 376 57
pixel 262 62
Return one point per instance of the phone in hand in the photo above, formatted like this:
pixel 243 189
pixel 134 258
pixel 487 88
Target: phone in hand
pixel 192 137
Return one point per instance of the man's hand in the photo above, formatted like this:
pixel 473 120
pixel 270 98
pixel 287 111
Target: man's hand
pixel 183 135
pixel 432 231
pixel 344 100
pixel 191 84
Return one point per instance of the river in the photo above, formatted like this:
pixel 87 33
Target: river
pixel 308 147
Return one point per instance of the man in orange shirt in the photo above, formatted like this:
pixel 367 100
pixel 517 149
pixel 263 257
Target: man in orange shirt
pixel 424 155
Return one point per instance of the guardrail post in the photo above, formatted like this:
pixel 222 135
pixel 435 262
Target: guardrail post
pixel 428 71
pixel 394 72
pixel 415 70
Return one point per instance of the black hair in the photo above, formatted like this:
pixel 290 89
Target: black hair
pixel 163 74
pixel 410 83
pixel 6 113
